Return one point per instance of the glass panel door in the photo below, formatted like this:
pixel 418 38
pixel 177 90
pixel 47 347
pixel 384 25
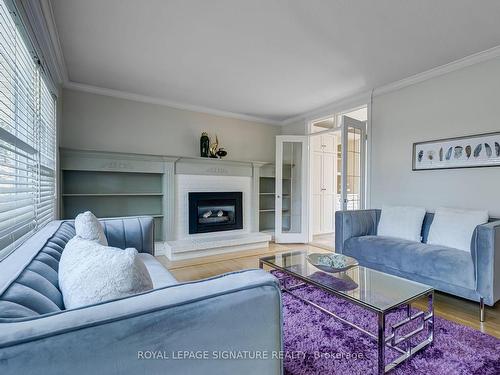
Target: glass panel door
pixel 290 205
pixel 353 163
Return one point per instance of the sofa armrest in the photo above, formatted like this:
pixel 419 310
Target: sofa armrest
pixel 237 313
pixel 133 231
pixel 486 256
pixel 355 223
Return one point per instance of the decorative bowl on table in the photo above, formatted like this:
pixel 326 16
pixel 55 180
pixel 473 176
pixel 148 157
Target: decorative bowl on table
pixel 331 262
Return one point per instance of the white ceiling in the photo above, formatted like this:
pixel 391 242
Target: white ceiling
pixel 270 59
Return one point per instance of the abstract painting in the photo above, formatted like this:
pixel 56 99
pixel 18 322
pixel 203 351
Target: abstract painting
pixel 481 150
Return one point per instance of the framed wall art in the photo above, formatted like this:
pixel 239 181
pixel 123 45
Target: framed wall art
pixel 481 150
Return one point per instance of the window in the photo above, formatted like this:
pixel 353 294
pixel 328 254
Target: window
pixel 27 139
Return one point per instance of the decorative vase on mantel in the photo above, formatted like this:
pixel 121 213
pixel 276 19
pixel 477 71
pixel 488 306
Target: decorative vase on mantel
pixel 204 145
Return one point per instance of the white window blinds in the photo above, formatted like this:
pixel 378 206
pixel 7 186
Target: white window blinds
pixel 27 140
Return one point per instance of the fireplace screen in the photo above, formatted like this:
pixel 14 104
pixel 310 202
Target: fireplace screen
pixel 215 211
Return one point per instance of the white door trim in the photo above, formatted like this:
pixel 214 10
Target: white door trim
pixel 302 236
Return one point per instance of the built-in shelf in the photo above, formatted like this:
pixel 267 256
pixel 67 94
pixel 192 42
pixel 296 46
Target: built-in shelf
pixel 112 186
pixel 272 194
pixel 272 210
pixel 267 194
pixel 273 178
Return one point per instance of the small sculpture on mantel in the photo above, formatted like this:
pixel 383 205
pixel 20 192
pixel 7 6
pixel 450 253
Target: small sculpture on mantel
pixel 221 153
pixel 213 148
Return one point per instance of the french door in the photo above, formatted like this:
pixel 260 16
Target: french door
pixel 353 163
pixel 292 160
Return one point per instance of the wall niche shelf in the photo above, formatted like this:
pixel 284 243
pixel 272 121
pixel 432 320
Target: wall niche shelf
pixel 267 185
pixel 114 185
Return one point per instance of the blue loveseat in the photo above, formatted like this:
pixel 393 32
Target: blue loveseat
pixel 157 332
pixel 474 275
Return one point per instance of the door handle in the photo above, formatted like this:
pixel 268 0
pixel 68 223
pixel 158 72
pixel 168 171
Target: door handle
pixel 323 189
pixel 278 196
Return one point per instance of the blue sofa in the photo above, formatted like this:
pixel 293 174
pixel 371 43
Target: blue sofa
pixel 150 333
pixel 474 275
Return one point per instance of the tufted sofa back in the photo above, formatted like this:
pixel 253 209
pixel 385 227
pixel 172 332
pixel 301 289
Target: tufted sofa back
pixel 35 291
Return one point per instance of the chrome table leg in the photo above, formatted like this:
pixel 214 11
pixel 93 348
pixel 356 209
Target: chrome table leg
pixel 408 343
pixel 481 309
pixel 381 343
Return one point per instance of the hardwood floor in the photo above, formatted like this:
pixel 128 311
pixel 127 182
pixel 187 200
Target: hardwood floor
pixel 449 307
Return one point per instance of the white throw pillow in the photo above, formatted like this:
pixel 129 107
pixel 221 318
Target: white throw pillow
pixel 453 227
pixel 90 273
pixel 89 228
pixel 401 222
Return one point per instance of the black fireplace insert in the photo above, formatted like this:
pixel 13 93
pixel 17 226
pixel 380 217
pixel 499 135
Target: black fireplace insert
pixel 215 211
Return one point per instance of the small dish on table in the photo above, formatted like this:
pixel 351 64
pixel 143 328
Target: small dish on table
pixel 331 263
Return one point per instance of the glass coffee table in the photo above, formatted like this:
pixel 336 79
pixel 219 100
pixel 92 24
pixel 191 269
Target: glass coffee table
pixel 375 291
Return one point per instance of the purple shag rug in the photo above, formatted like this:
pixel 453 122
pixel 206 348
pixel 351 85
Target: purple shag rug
pixel 316 343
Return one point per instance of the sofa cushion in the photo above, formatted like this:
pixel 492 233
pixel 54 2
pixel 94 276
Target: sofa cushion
pixel 91 273
pixel 433 261
pixel 158 273
pixel 455 227
pixel 401 222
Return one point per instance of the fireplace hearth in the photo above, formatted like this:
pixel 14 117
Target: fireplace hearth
pixel 215 212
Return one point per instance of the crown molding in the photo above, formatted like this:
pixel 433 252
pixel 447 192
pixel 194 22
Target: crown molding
pixel 337 106
pixel 470 60
pixel 57 57
pixel 167 103
pixel 476 58
pixel 42 10
pixel 56 50
pixel 39 21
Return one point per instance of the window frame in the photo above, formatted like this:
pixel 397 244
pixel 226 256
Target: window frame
pixel 28 135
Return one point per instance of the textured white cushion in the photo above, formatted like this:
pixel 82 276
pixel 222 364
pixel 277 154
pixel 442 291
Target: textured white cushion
pixel 401 222
pixel 89 228
pixel 90 273
pixel 453 227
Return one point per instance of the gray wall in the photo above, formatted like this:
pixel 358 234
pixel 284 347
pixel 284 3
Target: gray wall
pixel 460 103
pixel 97 122
pixel 295 128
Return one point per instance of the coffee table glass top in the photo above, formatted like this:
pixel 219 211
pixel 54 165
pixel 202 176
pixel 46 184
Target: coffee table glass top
pixel 375 290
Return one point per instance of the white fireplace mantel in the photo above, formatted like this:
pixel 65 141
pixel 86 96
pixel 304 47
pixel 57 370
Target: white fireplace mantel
pixel 202 174
pixel 217 167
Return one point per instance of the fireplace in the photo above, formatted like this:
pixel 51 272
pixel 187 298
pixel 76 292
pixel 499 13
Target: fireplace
pixel 215 211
